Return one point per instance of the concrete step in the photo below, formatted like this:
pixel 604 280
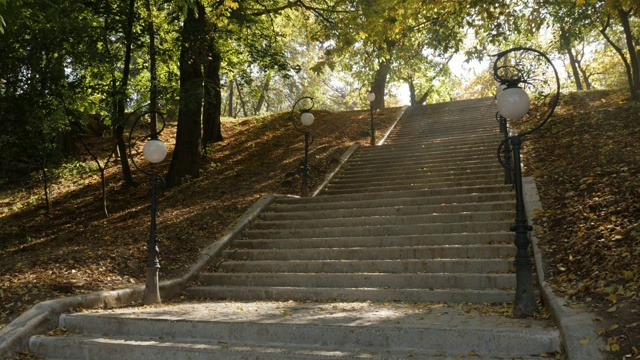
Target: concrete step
pixel 372 253
pixel 377 200
pixel 405 182
pixel 422 166
pixel 362 280
pixel 439 133
pixel 387 153
pixel 390 188
pixel 384 230
pixel 399 174
pixel 504 237
pixel 416 175
pixel 422 158
pixel 423 169
pixel 477 216
pixel 395 266
pixel 432 150
pixel 441 193
pixel 488 296
pixel 292 330
pixel 280 213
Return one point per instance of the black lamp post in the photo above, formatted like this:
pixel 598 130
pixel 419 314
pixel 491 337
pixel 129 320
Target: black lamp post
pixel 306 119
pixel 154 151
pixel 370 98
pixel 506 152
pixel 531 69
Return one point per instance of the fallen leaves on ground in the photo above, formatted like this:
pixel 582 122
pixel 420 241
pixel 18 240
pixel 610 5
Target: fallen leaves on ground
pixel 586 163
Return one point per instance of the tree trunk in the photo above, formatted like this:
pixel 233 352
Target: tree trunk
pixel 423 98
pixel 153 85
pixel 265 89
pixel 574 69
pixel 379 85
pixel 585 76
pixel 120 123
pixel 45 178
pixel 615 47
pixel 633 56
pixel 230 113
pixel 211 130
pixel 244 106
pixel 412 93
pixel 187 152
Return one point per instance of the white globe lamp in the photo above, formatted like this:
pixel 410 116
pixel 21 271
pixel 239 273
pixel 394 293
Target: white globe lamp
pixel 371 96
pixel 154 151
pixel 513 103
pixel 306 118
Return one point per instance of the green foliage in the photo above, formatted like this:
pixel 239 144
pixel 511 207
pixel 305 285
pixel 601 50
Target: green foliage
pixel 74 168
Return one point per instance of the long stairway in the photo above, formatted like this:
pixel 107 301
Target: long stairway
pixel 384 263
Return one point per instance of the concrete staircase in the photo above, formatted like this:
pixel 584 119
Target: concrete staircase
pixel 384 263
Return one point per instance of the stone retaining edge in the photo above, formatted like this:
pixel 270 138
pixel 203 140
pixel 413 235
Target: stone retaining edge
pixel 580 339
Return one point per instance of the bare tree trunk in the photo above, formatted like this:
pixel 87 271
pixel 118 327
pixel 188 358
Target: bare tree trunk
pixel 615 47
pixel 265 89
pixel 633 56
pixel 120 123
pixel 379 85
pixel 230 113
pixel 187 153
pixel 45 178
pixel 574 69
pixel 153 86
pixel 585 76
pixel 212 110
pixel 423 98
pixel 242 103
pixel 412 92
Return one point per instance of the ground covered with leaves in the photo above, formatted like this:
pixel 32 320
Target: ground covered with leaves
pixel 75 248
pixel 586 163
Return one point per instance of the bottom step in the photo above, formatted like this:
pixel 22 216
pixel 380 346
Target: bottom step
pixel 293 330
pixel 350 294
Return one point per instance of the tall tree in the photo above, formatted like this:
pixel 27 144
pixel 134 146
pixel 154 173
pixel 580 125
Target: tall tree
pixel 201 54
pixel 187 153
pixel 120 91
pixel 376 39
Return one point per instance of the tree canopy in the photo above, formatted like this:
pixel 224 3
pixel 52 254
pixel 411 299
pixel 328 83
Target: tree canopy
pixel 226 57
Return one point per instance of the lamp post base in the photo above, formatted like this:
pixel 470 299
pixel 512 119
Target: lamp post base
pixel 151 289
pixel 525 304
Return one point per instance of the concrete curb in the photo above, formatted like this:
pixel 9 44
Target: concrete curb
pixel 44 316
pixel 580 339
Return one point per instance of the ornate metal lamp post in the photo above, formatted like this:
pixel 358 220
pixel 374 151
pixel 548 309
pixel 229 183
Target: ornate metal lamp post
pixel 306 119
pixel 370 98
pixel 154 151
pixel 531 69
pixel 504 129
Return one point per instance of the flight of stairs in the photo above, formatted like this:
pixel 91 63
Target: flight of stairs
pixel 413 229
